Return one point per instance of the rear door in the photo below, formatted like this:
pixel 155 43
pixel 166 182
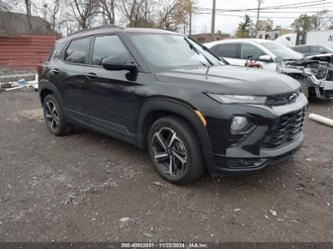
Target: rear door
pixel 230 52
pixel 72 72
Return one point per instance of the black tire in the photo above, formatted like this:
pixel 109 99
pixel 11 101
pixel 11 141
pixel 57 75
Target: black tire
pixel 184 148
pixel 54 117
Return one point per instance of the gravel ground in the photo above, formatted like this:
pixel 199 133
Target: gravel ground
pixel 89 187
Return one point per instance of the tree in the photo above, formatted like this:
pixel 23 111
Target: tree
pixel 302 25
pixel 322 20
pixel 28 12
pixel 174 13
pixel 243 30
pixel 107 9
pixel 53 11
pixel 83 11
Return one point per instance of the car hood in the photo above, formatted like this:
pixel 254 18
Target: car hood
pixel 319 55
pixel 231 80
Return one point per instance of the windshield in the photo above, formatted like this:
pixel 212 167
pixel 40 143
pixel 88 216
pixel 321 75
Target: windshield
pixel 166 52
pixel 324 49
pixel 282 52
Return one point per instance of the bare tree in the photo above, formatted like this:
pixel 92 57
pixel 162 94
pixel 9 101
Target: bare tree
pixel 9 5
pixel 133 10
pixel 107 9
pixel 53 12
pixel 174 13
pixel 28 12
pixel 83 11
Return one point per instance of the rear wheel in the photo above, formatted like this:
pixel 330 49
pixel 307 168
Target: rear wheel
pixel 175 150
pixel 54 117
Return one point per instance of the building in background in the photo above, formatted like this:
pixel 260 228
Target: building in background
pixel 17 24
pixel 273 34
pixel 22 46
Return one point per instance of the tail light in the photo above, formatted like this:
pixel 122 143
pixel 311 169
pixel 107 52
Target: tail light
pixel 39 71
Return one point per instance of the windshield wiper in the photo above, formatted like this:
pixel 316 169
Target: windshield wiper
pixel 197 51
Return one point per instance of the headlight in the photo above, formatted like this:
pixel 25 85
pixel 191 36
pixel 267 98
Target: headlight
pixel 238 99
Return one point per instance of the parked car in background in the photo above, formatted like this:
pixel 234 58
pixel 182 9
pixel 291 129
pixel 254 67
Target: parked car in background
pixel 164 92
pixel 308 50
pixel 275 57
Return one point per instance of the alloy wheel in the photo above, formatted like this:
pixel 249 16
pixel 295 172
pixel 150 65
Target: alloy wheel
pixel 51 115
pixel 169 152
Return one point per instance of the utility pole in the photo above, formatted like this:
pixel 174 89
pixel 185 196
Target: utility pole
pixel 258 15
pixel 213 17
pixel 190 21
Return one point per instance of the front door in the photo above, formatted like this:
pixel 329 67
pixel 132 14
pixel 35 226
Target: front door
pixel 113 106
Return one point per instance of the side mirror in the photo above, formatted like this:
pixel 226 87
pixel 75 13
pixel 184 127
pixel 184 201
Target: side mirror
pixel 119 62
pixel 265 58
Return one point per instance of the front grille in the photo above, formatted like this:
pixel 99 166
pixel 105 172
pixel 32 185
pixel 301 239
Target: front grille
pixel 285 130
pixel 239 163
pixel 282 99
pixel 236 139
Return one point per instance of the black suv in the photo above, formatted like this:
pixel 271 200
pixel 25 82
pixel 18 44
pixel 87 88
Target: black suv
pixel 163 91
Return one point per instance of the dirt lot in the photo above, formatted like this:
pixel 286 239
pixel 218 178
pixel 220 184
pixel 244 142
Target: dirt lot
pixel 89 187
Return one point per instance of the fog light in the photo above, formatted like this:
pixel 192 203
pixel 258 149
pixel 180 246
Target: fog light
pixel 238 123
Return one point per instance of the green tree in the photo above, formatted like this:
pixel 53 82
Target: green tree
pixel 302 25
pixel 243 30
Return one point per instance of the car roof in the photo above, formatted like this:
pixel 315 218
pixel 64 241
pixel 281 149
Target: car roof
pixel 247 40
pixel 116 29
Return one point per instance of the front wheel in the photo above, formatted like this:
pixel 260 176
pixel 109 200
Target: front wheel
pixel 175 150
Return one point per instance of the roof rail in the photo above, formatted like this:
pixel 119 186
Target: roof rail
pixel 96 28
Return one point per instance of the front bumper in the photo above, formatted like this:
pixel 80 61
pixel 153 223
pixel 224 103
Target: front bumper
pixel 254 152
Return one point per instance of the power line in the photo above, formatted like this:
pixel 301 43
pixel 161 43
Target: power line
pixel 279 7
pixel 252 16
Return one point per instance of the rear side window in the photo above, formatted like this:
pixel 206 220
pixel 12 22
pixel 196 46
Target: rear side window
pixel 249 50
pixel 106 46
pixel 56 50
pixel 228 50
pixel 302 49
pixel 78 51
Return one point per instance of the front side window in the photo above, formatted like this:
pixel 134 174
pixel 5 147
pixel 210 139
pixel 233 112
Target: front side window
pixel 106 46
pixel 78 51
pixel 228 50
pixel 249 50
pixel 165 52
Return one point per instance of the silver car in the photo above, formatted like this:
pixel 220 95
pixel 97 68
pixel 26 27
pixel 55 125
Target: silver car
pixel 272 56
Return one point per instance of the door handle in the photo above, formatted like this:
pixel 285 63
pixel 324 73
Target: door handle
pixel 91 76
pixel 55 71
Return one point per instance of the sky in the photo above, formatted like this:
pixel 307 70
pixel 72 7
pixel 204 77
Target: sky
pixel 228 24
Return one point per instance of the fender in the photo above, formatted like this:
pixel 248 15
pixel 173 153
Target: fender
pixel 46 85
pixel 183 110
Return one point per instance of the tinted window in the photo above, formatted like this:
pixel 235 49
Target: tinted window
pixel 315 49
pixel 302 49
pixel 56 50
pixel 249 50
pixel 78 51
pixel 228 50
pixel 164 51
pixel 106 46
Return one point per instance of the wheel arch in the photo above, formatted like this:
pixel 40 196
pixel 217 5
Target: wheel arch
pixel 46 88
pixel 156 108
